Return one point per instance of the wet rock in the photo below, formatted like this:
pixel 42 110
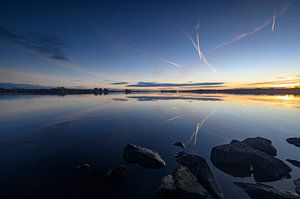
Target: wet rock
pixel 84 167
pixel 239 159
pixel 234 159
pixel 118 174
pixel 180 144
pixel 143 156
pixel 201 170
pixel 262 191
pixel 297 189
pixel 261 144
pixel 181 184
pixel 296 163
pixel 297 181
pixel 294 141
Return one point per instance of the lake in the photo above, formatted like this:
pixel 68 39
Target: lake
pixel 44 138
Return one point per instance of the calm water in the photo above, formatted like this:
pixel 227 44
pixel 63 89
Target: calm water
pixel 44 138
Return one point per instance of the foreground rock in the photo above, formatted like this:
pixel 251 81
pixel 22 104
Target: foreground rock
pixel 262 191
pixel 296 163
pixel 261 144
pixel 181 184
pixel 297 183
pixel 294 141
pixel 180 144
pixel 201 170
pixel 239 159
pixel 84 167
pixel 118 174
pixel 143 156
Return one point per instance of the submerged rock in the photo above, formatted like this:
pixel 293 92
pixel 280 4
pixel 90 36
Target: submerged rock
pixel 84 167
pixel 297 181
pixel 143 156
pixel 180 144
pixel 118 174
pixel 261 144
pixel 262 191
pixel 239 159
pixel 294 141
pixel 296 163
pixel 201 170
pixel 181 184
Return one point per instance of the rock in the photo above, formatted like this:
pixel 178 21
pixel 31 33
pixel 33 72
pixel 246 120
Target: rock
pixel 181 184
pixel 234 159
pixel 261 144
pixel 118 174
pixel 297 181
pixel 239 159
pixel 297 189
pixel 201 170
pixel 296 163
pixel 143 156
pixel 276 169
pixel 84 167
pixel 294 141
pixel 180 144
pixel 262 191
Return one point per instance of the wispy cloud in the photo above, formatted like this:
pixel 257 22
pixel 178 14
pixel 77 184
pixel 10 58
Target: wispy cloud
pixel 157 84
pixel 43 44
pixel 168 61
pixel 255 30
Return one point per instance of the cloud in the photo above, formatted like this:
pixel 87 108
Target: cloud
pixel 155 84
pixel 43 44
pixel 119 83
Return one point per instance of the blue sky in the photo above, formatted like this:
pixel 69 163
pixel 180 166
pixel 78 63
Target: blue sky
pixel 101 43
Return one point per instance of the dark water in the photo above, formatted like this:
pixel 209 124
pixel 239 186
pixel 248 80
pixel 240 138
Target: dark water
pixel 44 138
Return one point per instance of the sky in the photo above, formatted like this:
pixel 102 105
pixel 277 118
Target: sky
pixel 150 44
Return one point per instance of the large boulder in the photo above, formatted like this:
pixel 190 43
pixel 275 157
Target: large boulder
pixel 261 144
pixel 181 184
pixel 143 156
pixel 262 191
pixel 294 141
pixel 239 159
pixel 201 170
pixel 118 173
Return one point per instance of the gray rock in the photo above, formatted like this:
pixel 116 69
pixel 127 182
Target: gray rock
pixel 118 174
pixel 181 184
pixel 180 144
pixel 297 189
pixel 201 170
pixel 297 181
pixel 261 144
pixel 294 141
pixel 239 159
pixel 262 191
pixel 84 167
pixel 296 163
pixel 143 156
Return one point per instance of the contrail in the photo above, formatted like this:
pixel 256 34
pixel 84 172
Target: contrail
pixel 198 47
pixel 255 30
pixel 198 127
pixel 156 57
pixel 273 23
pixel 241 36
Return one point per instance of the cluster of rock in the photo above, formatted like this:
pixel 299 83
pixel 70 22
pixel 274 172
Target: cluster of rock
pixel 251 156
pixel 193 178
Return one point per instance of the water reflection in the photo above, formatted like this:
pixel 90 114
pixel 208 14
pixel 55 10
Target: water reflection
pixel 43 138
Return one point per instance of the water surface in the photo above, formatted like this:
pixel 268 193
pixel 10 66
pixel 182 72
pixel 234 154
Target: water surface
pixel 44 138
